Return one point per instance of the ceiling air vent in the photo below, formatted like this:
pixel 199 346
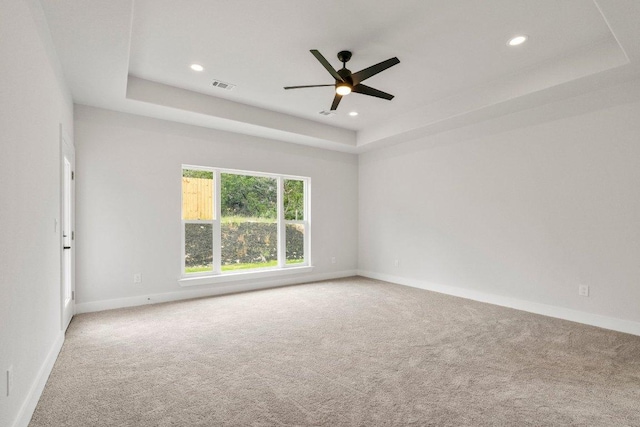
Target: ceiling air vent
pixel 223 85
pixel 327 113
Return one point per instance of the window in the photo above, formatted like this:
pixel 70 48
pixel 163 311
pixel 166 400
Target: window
pixel 238 221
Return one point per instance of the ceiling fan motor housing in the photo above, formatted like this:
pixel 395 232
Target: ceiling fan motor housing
pixel 346 76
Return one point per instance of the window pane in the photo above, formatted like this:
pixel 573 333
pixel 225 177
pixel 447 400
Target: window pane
pixel 295 243
pixel 197 194
pixel 245 196
pixel 293 200
pixel 248 244
pixel 198 247
pixel 249 232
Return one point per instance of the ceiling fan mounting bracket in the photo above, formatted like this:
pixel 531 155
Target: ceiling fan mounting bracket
pixel 344 56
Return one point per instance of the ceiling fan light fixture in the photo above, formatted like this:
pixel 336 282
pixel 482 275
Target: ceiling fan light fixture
pixel 343 89
pixel 517 40
pixel 346 81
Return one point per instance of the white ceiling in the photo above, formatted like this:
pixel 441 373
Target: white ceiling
pixel 455 69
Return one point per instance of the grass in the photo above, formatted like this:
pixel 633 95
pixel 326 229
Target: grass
pixel 233 267
pixel 242 266
pixel 197 269
pixel 241 219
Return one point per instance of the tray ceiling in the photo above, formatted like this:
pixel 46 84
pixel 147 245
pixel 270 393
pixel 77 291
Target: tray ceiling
pixel 456 67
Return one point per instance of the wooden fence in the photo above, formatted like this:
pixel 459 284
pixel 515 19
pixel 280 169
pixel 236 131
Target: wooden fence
pixel 197 198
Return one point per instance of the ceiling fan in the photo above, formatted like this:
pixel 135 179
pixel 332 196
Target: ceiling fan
pixel 347 82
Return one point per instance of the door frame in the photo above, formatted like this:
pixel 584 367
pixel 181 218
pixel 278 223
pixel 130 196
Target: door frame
pixel 67 304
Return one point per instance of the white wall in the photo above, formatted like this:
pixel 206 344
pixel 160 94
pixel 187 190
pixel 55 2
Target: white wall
pixel 33 102
pixel 520 218
pixel 128 202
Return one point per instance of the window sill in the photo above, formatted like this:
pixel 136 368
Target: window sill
pixel 248 275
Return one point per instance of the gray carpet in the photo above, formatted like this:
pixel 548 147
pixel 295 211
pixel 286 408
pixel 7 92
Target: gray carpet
pixel 352 352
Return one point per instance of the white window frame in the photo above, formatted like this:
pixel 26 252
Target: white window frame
pixel 217 275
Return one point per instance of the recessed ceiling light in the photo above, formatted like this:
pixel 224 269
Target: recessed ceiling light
pixel 517 40
pixel 353 113
pixel 197 67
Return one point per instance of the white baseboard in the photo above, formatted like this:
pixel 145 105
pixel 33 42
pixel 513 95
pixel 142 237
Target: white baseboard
pixel 620 325
pixel 222 289
pixel 35 391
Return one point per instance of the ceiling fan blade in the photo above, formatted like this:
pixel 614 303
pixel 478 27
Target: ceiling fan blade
pixel 367 90
pixel 362 75
pixel 326 65
pixel 301 87
pixel 336 101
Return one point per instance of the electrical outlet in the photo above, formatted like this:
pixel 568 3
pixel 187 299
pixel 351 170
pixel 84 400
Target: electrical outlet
pixel 137 278
pixel 9 380
pixel 333 260
pixel 583 290
pixel 396 263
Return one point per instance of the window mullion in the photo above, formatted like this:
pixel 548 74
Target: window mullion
pixel 217 229
pixel 183 239
pixel 282 250
pixel 306 218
